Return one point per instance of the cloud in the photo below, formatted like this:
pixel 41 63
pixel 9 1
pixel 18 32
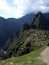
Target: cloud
pixel 32 5
pixel 15 12
pixel 4 6
pixel 23 7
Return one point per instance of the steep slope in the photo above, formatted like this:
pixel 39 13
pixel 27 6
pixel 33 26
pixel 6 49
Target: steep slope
pixel 10 26
pixel 40 22
pixel 28 41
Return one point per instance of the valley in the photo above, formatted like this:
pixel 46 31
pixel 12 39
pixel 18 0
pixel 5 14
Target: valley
pixel 23 47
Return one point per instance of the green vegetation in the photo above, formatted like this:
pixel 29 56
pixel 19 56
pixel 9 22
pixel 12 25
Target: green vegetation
pixel 25 48
pixel 28 59
pixel 28 40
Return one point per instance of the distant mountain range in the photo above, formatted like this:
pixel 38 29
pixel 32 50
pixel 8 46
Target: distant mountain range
pixel 11 26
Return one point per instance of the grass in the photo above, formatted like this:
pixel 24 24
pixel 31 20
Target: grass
pixel 28 59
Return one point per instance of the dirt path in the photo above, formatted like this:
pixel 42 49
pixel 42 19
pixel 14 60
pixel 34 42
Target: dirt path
pixel 45 55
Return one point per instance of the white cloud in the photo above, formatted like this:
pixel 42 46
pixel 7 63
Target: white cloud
pixel 16 12
pixel 28 6
pixel 4 6
pixel 22 7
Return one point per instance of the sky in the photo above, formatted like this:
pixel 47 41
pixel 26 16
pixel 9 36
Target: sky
pixel 19 8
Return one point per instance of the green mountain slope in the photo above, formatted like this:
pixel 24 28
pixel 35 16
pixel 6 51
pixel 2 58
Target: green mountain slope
pixel 30 38
pixel 40 22
pixel 28 59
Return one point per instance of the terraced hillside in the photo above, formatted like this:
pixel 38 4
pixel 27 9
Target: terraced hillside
pixel 29 38
pixel 28 59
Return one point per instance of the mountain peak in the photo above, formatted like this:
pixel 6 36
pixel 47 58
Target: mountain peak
pixel 40 22
pixel 39 15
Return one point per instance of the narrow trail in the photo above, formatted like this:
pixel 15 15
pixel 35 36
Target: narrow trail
pixel 45 55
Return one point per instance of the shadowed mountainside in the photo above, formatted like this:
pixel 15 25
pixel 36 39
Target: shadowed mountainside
pixel 11 26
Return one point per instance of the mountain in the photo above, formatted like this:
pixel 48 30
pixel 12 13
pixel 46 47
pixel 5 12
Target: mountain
pixel 31 36
pixel 10 26
pixel 28 40
pixel 27 18
pixel 40 22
